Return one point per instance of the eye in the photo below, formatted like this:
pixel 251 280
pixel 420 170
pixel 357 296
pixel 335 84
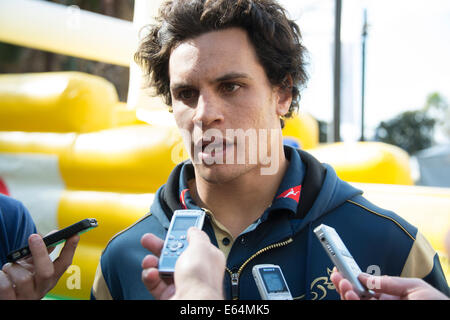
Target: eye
pixel 187 94
pixel 229 87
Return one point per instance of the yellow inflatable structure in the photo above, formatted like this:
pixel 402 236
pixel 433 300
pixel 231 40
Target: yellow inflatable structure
pixel 370 162
pixel 70 150
pixel 302 129
pixel 56 102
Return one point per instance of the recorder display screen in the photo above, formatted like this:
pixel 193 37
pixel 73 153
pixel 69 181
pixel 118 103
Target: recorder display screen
pixel 273 280
pixel 183 223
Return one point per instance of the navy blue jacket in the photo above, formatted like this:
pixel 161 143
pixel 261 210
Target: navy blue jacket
pixel 378 239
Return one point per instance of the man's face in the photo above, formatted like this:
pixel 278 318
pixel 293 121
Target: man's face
pixel 218 86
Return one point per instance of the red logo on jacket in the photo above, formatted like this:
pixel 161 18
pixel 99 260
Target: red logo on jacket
pixel 3 188
pixel 182 200
pixel 291 193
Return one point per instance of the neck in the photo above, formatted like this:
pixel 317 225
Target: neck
pixel 239 202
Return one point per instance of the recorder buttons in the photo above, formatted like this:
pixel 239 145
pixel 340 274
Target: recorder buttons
pixel 330 250
pixel 175 245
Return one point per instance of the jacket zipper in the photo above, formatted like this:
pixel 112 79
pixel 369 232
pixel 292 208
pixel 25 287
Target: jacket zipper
pixel 235 275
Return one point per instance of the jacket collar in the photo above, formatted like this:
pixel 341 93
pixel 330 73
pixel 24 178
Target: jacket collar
pixel 297 192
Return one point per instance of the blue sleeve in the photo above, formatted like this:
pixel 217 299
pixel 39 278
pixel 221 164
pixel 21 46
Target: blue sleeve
pixel 16 225
pixel 436 277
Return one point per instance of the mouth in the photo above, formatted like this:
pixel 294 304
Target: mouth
pixel 212 150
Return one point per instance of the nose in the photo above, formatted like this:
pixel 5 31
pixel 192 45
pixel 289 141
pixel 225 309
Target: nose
pixel 208 112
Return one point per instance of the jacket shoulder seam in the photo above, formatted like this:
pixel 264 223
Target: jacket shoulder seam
pixel 383 216
pixel 126 229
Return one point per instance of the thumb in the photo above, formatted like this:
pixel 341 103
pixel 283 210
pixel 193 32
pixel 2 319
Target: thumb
pixel 196 235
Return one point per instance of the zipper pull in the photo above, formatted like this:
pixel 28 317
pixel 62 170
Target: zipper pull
pixel 235 286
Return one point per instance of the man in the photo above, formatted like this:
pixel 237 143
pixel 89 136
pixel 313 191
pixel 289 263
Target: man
pixel 33 277
pixel 230 70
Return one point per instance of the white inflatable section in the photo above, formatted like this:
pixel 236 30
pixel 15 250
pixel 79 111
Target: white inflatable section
pixel 34 180
pixel 148 108
pixel 67 30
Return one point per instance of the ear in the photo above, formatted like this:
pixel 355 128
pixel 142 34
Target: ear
pixel 284 95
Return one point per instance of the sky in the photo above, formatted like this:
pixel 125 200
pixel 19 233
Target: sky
pixel 408 57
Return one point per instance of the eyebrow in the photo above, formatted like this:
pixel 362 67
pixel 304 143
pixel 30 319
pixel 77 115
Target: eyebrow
pixel 232 75
pixel 225 77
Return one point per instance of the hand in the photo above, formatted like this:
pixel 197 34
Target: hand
pixel 200 269
pixel 198 274
pixel 387 288
pixel 33 277
pixel 159 288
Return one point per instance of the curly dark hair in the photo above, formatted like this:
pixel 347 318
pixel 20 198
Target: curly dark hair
pixel 276 39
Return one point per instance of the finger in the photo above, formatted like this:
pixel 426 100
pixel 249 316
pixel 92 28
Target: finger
pixel 65 257
pixel 28 261
pixel 150 261
pixel 384 296
pixel 43 265
pixel 7 291
pixel 152 243
pixel 336 277
pixel 155 285
pixel 22 281
pixel 351 295
pixel 346 289
pixel 159 288
pixel 388 285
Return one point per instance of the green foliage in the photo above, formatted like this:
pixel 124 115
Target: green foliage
pixel 413 130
